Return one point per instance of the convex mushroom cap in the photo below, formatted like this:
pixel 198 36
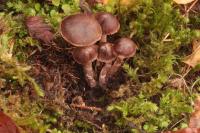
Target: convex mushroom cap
pixel 85 55
pixel 109 23
pixel 105 52
pixel 124 48
pixel 80 30
pixel 106 55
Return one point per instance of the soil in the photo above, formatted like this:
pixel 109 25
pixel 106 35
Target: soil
pixel 63 81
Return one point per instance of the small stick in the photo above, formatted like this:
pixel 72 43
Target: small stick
pixel 167 40
pixel 86 107
pixel 176 123
pixel 165 37
pixel 192 5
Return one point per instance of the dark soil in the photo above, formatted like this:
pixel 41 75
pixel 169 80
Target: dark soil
pixel 63 81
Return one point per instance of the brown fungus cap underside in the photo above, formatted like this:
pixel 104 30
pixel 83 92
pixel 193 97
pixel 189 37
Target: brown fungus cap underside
pixel 80 30
pixel 124 48
pixel 105 52
pixel 109 23
pixel 85 55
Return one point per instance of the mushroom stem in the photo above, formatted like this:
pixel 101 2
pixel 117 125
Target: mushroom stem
pixel 89 75
pixel 103 38
pixel 103 74
pixel 114 68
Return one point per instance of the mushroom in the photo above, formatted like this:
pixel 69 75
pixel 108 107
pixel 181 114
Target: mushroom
pixel 105 55
pixel 85 56
pixel 123 48
pixel 83 30
pixel 109 24
pixel 80 30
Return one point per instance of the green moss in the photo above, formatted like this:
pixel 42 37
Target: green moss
pixel 160 30
pixel 154 116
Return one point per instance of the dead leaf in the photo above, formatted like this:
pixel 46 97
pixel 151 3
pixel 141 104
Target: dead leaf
pixel 195 120
pixel 193 59
pixel 7 125
pixel 38 29
pixel 195 43
pixel 183 1
pixel 195 117
pixel 185 130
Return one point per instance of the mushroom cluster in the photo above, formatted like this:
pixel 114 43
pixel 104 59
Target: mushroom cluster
pixel 88 34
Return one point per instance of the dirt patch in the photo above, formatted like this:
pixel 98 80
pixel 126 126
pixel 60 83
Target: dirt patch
pixel 63 81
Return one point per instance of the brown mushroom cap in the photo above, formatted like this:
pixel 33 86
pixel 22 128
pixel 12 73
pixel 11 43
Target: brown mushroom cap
pixel 124 48
pixel 80 30
pixel 85 55
pixel 108 22
pixel 105 52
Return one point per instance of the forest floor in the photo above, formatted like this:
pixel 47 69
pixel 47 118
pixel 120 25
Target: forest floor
pixel 154 91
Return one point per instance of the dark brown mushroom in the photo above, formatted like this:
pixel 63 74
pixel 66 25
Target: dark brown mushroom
pixel 109 24
pixel 105 55
pixel 80 30
pixel 85 56
pixel 123 48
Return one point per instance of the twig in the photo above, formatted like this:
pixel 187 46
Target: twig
pixel 62 105
pixel 187 71
pixel 86 107
pixel 195 82
pixel 167 40
pixel 176 123
pixel 165 37
pixel 191 6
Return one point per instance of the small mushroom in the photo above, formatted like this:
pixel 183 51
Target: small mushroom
pixel 105 55
pixel 85 56
pixel 109 24
pixel 80 30
pixel 123 48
